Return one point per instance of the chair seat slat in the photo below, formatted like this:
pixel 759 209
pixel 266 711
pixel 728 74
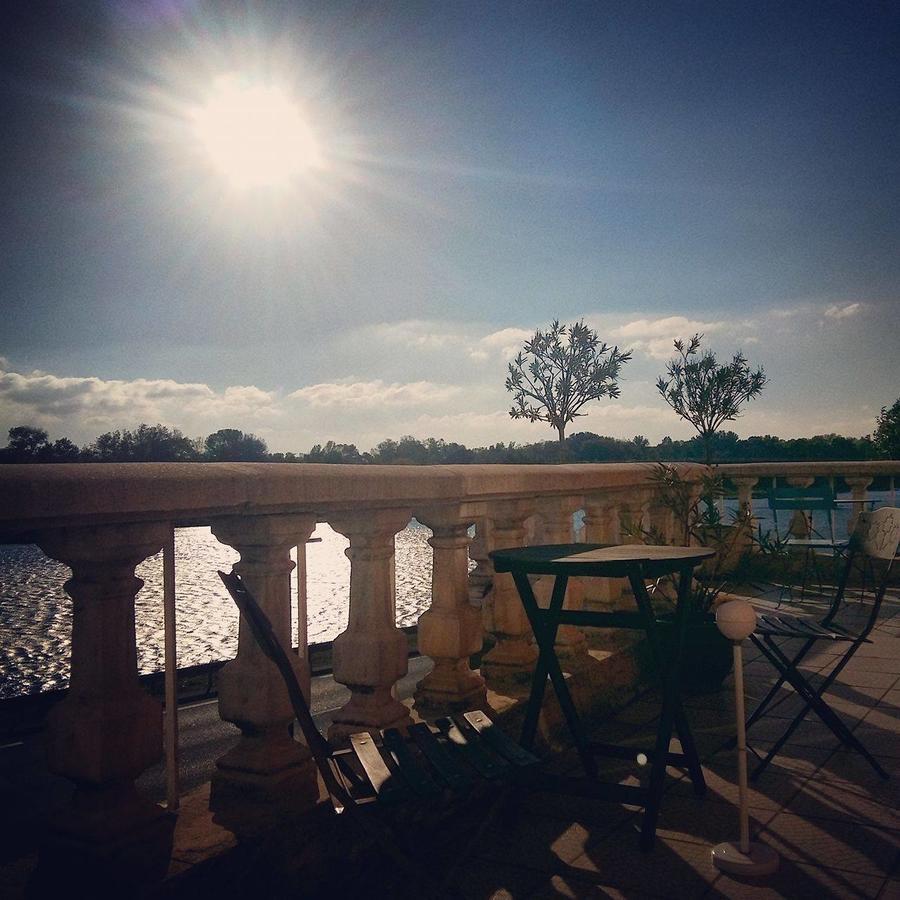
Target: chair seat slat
pixel 384 782
pixel 410 767
pixel 498 741
pixel 455 775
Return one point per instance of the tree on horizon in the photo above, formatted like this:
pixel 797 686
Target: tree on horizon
pixel 558 371
pixel 705 393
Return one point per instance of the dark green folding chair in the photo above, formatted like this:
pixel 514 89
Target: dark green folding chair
pixel 393 785
pixel 875 538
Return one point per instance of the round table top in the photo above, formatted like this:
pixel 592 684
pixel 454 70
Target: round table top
pixel 609 560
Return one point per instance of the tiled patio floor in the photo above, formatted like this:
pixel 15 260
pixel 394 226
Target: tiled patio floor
pixel 832 820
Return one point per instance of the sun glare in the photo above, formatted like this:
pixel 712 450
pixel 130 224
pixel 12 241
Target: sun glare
pixel 254 134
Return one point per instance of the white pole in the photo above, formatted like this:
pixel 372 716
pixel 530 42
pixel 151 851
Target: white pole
pixel 736 619
pixel 742 746
pixel 171 720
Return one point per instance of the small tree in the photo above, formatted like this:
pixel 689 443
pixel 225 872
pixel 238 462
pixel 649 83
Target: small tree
pixel 887 432
pixel 560 370
pixel 705 393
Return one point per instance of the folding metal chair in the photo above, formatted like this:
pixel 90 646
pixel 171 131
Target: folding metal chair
pixel 384 779
pixel 875 537
pixel 806 502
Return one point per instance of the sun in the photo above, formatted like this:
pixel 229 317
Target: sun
pixel 253 133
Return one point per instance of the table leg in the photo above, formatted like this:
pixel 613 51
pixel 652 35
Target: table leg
pixel 544 624
pixel 672 714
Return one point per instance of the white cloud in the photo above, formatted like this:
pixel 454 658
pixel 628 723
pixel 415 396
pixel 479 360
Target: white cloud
pixel 655 336
pixel 843 311
pixel 375 393
pixel 506 343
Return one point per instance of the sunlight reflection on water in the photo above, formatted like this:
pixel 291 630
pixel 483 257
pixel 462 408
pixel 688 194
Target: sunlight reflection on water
pixel 36 614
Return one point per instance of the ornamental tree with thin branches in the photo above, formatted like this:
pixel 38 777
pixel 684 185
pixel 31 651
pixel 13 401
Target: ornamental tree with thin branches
pixel 705 393
pixel 558 371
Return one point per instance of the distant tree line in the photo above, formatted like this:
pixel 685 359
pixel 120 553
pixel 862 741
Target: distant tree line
pixel 159 443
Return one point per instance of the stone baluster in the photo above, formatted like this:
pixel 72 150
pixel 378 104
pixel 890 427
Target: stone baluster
pixel 800 524
pixel 633 515
pixel 745 485
pixel 107 730
pixel 372 654
pixel 267 770
pixel 450 631
pixel 601 526
pixel 482 576
pixel 858 485
pixel 511 660
pixel 558 527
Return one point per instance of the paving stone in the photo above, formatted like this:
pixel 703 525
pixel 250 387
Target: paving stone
pixel 798 882
pixel 822 799
pixel 673 868
pixel 843 845
pixel 769 793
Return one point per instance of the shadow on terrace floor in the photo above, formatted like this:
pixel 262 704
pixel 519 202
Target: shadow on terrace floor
pixel 832 820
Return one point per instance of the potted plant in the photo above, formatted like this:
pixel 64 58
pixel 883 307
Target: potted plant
pixel 696 519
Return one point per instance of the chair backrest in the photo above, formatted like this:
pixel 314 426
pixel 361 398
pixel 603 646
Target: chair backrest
pixel 268 642
pixel 805 499
pixel 816 496
pixel 877 536
pixel 877 533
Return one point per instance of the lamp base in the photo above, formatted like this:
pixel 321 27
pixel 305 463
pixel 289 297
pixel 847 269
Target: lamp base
pixel 761 860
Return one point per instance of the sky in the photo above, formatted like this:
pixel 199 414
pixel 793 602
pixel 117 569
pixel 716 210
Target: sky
pixel 470 172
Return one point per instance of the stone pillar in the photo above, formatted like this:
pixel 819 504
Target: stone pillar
pixel 858 485
pixel 372 654
pixel 601 526
pixel 450 631
pixel 799 526
pixel 107 730
pixel 512 658
pixel 267 770
pixel 556 515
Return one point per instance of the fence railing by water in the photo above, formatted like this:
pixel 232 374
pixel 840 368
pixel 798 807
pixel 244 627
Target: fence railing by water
pixel 104 520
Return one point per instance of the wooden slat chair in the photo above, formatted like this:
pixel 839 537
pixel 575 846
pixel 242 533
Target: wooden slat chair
pixel 876 537
pixel 415 780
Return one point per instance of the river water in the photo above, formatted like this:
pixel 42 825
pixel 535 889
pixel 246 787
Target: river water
pixel 36 618
pixel 36 613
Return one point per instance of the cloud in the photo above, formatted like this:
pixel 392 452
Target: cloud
pixel 417 333
pixel 655 336
pixel 843 311
pixel 506 343
pixel 84 406
pixel 366 394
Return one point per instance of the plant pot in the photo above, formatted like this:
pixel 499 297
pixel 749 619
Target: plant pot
pixel 707 656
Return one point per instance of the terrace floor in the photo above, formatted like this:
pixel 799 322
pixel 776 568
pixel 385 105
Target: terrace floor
pixel 834 823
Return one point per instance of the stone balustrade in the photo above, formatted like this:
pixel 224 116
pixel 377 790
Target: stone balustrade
pixel 103 520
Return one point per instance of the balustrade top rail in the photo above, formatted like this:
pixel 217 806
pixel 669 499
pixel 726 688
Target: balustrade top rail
pixel 35 497
pixel 825 469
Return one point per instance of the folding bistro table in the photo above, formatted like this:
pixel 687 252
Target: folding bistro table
pixel 638 563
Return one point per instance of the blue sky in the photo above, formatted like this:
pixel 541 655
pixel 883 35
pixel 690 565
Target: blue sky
pixel 483 168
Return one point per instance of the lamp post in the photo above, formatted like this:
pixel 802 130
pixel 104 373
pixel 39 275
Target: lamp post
pixel 736 619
